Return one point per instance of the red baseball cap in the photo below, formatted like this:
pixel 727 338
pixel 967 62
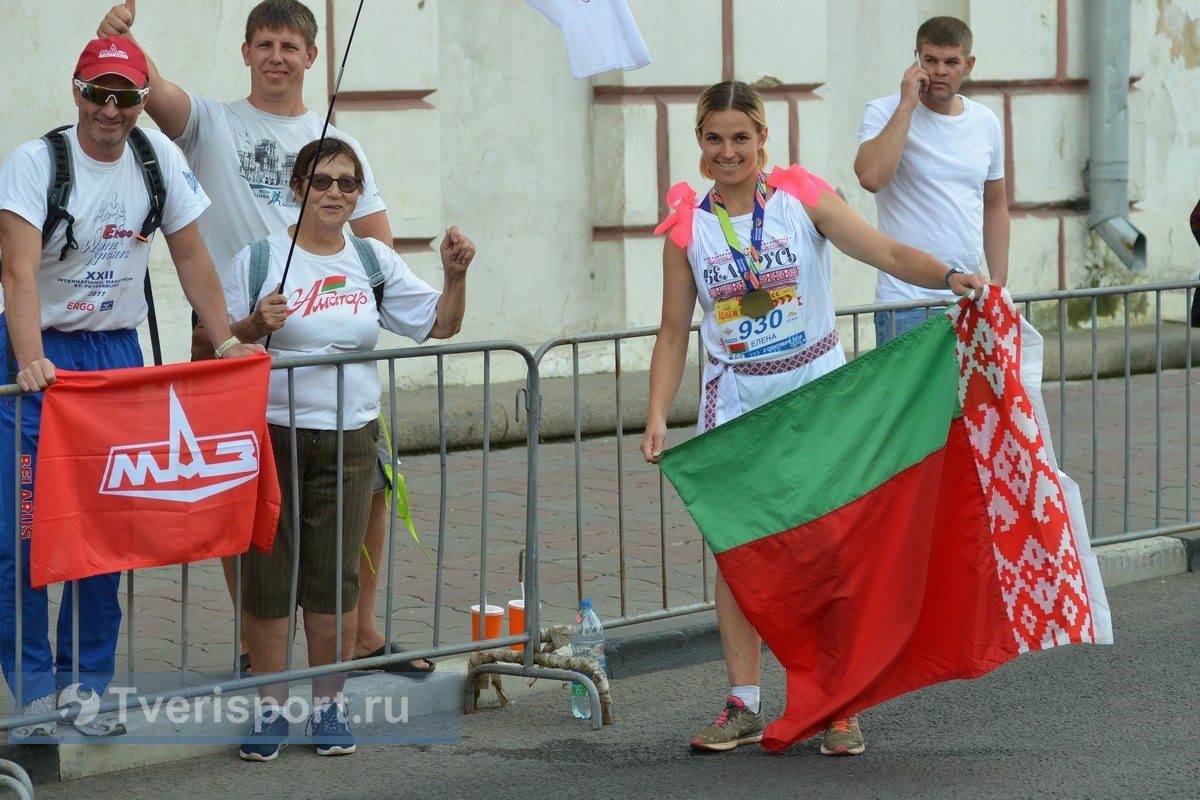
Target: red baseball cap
pixel 113 55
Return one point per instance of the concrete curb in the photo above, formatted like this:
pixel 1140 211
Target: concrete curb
pixel 650 647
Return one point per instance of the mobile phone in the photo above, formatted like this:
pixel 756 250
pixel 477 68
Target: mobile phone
pixel 920 81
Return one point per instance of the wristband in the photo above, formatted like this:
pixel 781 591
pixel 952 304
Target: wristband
pixel 225 346
pixel 953 271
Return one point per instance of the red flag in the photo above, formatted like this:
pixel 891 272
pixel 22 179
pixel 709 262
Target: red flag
pixel 152 465
pixel 900 521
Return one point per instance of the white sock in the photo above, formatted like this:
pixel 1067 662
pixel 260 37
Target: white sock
pixel 750 695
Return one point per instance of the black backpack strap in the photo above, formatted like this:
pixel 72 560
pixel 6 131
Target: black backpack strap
pixel 58 193
pixel 156 187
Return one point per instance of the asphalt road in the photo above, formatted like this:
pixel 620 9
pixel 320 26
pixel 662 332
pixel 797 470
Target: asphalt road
pixel 1080 722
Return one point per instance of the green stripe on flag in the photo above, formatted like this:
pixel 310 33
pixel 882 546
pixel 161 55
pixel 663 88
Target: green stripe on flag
pixel 823 445
pixel 333 282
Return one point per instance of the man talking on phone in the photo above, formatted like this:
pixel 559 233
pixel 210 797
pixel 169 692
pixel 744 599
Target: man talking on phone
pixel 935 162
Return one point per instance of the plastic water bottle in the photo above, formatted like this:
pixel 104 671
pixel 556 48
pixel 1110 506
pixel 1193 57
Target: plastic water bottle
pixel 587 640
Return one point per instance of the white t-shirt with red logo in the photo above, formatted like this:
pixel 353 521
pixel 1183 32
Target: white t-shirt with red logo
pixel 98 287
pixel 244 158
pixel 331 309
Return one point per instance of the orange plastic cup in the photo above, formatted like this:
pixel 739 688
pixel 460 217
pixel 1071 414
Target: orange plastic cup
pixel 516 621
pixel 491 623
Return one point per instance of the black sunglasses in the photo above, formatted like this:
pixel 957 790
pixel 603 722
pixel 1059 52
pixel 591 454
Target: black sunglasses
pixel 348 185
pixel 100 95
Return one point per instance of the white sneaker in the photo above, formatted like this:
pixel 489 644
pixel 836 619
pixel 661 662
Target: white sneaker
pixel 102 725
pixel 88 722
pixel 37 730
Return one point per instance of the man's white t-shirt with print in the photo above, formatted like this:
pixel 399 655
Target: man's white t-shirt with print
pixel 98 286
pixel 934 202
pixel 244 158
pixel 331 309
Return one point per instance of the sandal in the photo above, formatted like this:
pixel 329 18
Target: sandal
pixel 403 667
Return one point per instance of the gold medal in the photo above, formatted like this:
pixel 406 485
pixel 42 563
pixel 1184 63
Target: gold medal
pixel 757 304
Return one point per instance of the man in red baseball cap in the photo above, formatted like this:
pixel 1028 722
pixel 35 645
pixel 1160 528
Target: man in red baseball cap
pixel 113 55
pixel 111 84
pixel 74 265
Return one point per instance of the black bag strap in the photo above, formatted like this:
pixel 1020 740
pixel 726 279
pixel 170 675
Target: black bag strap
pixel 156 187
pixel 58 193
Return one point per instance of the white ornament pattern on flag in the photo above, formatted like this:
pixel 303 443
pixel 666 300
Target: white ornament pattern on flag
pixel 1041 578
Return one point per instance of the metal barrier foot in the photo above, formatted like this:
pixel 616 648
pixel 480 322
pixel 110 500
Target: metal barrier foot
pixel 17 779
pixel 600 716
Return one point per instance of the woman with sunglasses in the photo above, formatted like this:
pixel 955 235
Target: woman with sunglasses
pixel 326 305
pixel 755 251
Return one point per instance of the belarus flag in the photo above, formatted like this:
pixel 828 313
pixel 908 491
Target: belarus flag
pixel 900 521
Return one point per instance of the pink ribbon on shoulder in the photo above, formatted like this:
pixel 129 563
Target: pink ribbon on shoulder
pixel 681 202
pixel 799 183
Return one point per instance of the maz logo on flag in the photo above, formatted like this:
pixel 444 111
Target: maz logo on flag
pixel 185 468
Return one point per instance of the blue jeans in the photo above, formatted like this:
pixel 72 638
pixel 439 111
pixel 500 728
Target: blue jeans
pixel 890 324
pixel 99 609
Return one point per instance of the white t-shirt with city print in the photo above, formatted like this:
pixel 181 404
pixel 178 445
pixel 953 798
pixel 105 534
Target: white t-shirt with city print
pixel 98 287
pixel 331 309
pixel 244 158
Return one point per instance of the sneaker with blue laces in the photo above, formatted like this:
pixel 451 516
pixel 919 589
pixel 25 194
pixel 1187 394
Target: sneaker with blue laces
pixel 330 731
pixel 268 735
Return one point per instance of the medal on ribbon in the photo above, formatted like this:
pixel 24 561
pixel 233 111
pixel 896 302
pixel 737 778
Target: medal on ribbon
pixel 756 301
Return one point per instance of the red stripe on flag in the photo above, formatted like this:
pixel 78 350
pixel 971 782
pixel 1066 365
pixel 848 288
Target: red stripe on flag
pixel 887 594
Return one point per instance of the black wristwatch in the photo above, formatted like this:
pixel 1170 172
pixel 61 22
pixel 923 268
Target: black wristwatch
pixel 953 271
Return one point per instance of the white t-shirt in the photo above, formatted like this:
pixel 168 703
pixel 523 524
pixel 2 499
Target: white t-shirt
pixel 796 262
pixel 934 202
pixel 331 309
pixel 244 158
pixel 98 287
pixel 600 34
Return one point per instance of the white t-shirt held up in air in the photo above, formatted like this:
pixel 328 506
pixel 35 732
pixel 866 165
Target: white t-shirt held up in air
pixel 98 287
pixel 600 34
pixel 934 202
pixel 331 309
pixel 244 157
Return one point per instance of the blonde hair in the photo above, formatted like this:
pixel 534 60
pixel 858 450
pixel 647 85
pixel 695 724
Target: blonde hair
pixel 732 96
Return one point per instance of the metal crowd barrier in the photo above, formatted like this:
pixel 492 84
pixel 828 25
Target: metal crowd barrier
pixel 1126 438
pixel 442 643
pixel 631 539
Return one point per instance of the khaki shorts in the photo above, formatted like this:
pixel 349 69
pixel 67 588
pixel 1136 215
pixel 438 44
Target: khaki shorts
pixel 266 579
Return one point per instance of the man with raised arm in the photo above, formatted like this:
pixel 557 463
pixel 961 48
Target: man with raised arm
pixel 243 152
pixel 935 162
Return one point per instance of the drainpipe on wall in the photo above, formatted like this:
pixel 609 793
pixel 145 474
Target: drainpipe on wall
pixel 1108 127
